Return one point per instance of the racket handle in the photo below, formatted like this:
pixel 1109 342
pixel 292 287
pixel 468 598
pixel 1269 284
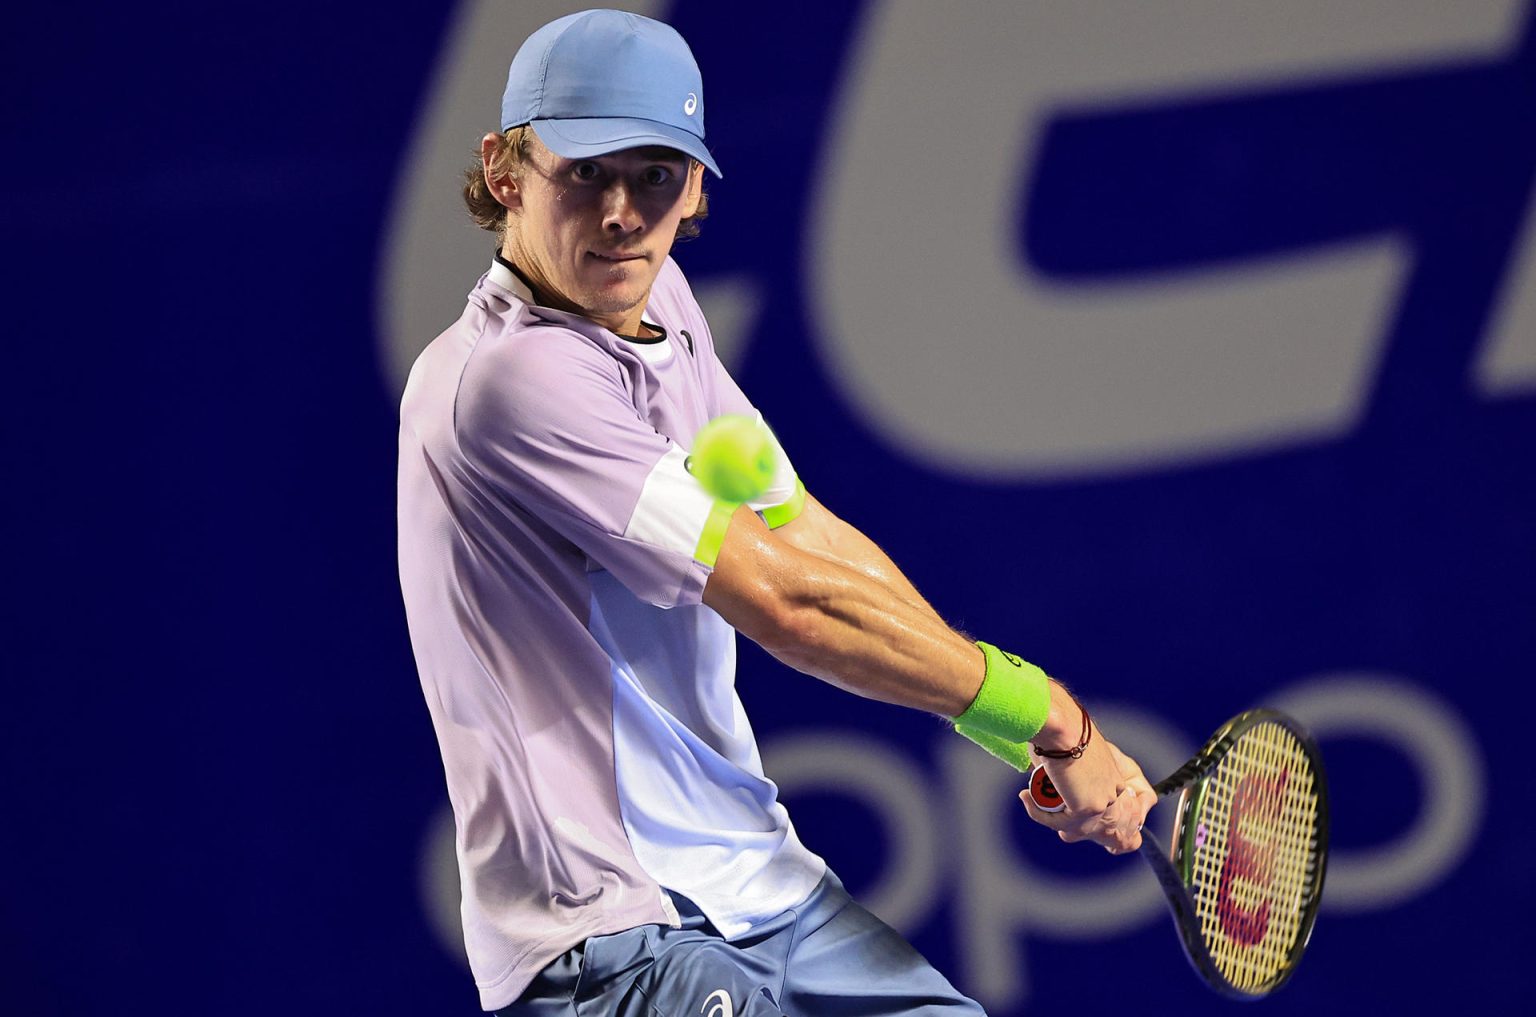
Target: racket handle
pixel 1043 793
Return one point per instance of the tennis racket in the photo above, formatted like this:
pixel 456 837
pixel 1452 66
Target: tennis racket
pixel 1244 874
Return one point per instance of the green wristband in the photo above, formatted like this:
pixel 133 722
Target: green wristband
pixel 1014 700
pixel 1015 754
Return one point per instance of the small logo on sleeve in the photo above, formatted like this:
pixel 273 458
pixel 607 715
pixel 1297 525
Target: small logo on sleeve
pixel 717 1004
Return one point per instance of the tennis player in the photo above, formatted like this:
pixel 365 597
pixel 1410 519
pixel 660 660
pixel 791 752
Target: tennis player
pixel 574 595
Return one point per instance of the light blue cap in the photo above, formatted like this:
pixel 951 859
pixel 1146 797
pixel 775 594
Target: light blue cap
pixel 601 81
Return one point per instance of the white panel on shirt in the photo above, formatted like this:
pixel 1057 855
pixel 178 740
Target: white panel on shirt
pixel 673 508
pixel 702 818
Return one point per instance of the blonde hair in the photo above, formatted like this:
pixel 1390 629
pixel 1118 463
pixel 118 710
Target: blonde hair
pixel 490 214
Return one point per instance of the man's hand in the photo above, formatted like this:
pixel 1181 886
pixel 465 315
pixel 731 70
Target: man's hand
pixel 1106 795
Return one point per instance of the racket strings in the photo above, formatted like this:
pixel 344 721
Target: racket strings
pixel 1257 853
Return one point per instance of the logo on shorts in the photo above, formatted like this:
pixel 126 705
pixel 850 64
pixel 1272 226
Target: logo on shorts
pixel 722 1005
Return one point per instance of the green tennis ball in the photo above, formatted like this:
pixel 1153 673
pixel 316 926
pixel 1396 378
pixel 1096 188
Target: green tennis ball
pixel 733 458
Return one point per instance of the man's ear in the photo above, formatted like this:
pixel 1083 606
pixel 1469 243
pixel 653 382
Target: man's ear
pixel 695 189
pixel 503 188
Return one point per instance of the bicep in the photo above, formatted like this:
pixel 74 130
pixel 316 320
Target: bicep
pixel 750 584
pixel 770 584
pixel 754 577
pixel 817 531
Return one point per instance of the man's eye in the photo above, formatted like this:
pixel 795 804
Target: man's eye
pixel 585 171
pixel 657 175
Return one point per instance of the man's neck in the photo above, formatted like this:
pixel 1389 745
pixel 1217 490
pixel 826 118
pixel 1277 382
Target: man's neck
pixel 630 324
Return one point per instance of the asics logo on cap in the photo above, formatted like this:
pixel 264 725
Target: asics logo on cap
pixel 722 1005
pixel 690 104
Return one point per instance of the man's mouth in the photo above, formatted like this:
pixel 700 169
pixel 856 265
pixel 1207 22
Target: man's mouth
pixel 616 257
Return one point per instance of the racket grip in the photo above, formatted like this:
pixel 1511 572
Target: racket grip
pixel 1043 793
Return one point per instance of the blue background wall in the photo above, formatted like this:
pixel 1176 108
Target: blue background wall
pixel 220 788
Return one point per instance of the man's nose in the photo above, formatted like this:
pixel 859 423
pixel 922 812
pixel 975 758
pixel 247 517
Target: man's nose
pixel 620 212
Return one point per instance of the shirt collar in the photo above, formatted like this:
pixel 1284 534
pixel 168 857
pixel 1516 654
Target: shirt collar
pixel 504 274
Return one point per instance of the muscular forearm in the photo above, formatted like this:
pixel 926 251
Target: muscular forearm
pixel 847 629
pixel 842 625
pixel 837 541
pixel 824 599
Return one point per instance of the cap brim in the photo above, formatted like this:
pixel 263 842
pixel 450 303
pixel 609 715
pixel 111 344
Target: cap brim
pixel 580 139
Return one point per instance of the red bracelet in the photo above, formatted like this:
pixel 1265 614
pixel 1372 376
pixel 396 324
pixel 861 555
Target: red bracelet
pixel 1076 751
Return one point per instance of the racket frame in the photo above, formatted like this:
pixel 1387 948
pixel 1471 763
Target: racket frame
pixel 1174 868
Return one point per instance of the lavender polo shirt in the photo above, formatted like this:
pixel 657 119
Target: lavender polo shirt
pixel 553 554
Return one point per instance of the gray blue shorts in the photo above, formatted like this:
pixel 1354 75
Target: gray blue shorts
pixel 827 957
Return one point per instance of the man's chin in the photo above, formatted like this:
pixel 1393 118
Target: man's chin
pixel 610 301
pixel 617 294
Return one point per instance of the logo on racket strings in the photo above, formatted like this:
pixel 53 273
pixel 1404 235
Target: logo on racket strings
pixel 1253 862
